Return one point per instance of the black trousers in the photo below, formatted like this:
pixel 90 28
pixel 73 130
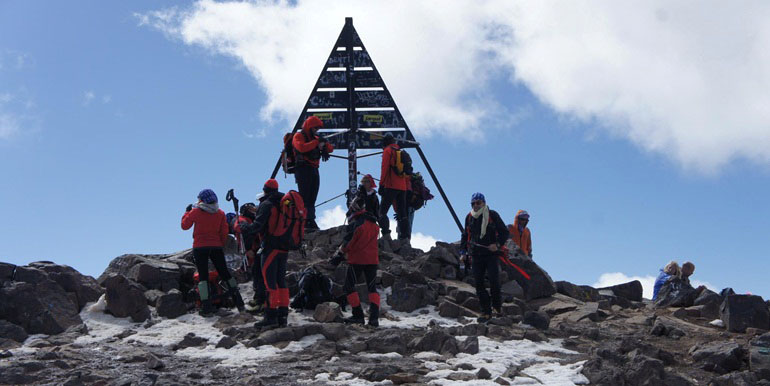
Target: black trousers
pixel 487 264
pixel 260 294
pixel 402 216
pixel 308 180
pixel 369 271
pixel 202 255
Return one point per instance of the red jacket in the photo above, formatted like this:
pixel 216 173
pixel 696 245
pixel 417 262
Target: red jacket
pixel 303 147
pixel 210 228
pixel 362 247
pixel 388 178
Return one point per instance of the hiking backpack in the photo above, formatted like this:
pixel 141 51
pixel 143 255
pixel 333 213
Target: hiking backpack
pixel 288 159
pixel 420 193
pixel 402 165
pixel 314 288
pixel 287 222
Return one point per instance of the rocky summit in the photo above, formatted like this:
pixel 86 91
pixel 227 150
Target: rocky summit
pixel 136 325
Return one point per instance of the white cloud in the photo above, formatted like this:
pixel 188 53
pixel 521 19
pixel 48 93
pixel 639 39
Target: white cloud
pixel 9 122
pixel 424 242
pixel 688 81
pixel 648 282
pixel 88 96
pixel 106 99
pixel 331 218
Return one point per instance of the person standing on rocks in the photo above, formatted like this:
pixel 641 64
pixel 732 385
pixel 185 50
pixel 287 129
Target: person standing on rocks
pixel 250 240
pixel 368 194
pixel 392 190
pixel 309 149
pixel 520 234
pixel 360 246
pixel 209 238
pixel 480 241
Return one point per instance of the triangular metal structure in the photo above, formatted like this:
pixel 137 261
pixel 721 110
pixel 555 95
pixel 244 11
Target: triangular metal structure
pixel 357 110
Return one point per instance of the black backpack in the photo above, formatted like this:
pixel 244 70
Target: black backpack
pixel 314 288
pixel 420 193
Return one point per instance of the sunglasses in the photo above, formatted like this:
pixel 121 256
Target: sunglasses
pixel 477 202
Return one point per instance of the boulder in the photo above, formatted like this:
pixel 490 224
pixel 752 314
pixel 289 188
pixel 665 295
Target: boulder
pixel 434 340
pixel 470 345
pixel 40 308
pixel 536 319
pixel 6 271
pixel 676 293
pixel 707 296
pixel 718 357
pixel 85 288
pixel 739 312
pixel 448 309
pixel 583 293
pixel 540 284
pixel 631 290
pixel 511 289
pixel 171 304
pixel 385 341
pixel 12 331
pixel 162 272
pixel 125 298
pixel 328 312
pixel 409 297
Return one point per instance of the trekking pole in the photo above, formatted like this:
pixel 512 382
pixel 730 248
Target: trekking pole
pixel 231 197
pixel 332 199
pixel 335 134
pixel 505 260
pixel 396 139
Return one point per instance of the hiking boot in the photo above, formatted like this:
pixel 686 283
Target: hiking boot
pixel 498 313
pixel 283 316
pixel 270 320
pixel 207 309
pixel 484 318
pixel 257 308
pixel 374 315
pixel 357 318
pixel 232 289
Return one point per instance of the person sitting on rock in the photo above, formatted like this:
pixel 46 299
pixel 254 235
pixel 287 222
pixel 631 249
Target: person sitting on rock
pixel 360 246
pixel 209 238
pixel 670 270
pixel 481 239
pixel 520 234
pixel 688 268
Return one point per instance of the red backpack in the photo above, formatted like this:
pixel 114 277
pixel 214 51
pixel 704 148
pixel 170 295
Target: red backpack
pixel 287 222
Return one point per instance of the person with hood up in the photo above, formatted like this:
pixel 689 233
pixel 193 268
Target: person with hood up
pixel 671 270
pixel 360 246
pixel 483 235
pixel 249 240
pixel 309 149
pixel 368 194
pixel 393 191
pixel 209 237
pixel 520 234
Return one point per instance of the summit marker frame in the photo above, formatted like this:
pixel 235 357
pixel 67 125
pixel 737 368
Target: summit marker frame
pixel 357 110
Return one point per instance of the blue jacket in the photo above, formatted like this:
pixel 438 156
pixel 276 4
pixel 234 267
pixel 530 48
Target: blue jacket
pixel 662 278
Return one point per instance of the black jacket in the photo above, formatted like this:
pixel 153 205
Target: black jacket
pixel 497 232
pixel 259 226
pixel 372 203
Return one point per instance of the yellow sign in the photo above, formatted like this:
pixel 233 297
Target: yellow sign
pixel 373 118
pixel 323 116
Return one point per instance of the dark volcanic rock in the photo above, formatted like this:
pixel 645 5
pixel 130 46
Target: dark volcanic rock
pixel 540 284
pixel 328 312
pixel 385 341
pixel 718 357
pixel 85 288
pixel 537 319
pixel 125 299
pixel 739 312
pixel 409 297
pixel 162 272
pixel 40 308
pixel 580 292
pixel 470 345
pixel 6 271
pixel 631 290
pixel 12 331
pixel 433 340
pixel 171 305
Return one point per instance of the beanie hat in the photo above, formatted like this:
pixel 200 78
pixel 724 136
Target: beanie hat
pixel 523 214
pixel 388 139
pixel 370 178
pixel 208 196
pixel 478 197
pixel 271 185
pixel 312 122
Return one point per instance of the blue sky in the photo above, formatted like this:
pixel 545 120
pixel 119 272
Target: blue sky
pixel 114 115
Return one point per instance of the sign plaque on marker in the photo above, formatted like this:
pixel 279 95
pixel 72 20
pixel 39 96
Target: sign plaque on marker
pixel 353 102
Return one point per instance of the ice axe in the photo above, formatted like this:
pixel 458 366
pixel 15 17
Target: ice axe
pixel 505 260
pixel 231 197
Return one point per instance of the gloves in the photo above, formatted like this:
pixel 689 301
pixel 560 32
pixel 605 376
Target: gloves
pixel 336 259
pixel 325 155
pixel 189 208
pixel 381 190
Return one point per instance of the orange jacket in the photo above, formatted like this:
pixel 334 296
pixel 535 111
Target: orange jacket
pixel 210 228
pixel 522 239
pixel 303 147
pixel 388 178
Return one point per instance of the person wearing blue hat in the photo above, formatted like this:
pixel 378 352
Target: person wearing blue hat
pixel 483 235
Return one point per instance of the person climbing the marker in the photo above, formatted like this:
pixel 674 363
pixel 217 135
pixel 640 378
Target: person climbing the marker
pixel 309 149
pixel 669 271
pixel 483 235
pixel 393 190
pixel 360 246
pixel 367 193
pixel 209 237
pixel 281 220
pixel 520 234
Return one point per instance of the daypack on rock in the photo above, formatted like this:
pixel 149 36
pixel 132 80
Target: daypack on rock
pixel 287 222
pixel 314 288
pixel 217 292
pixel 288 159
pixel 402 165
pixel 420 193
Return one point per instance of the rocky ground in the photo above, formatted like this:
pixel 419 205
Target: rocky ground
pixel 136 325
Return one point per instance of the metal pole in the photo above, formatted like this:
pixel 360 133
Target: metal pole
pixel 352 118
pixel 440 189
